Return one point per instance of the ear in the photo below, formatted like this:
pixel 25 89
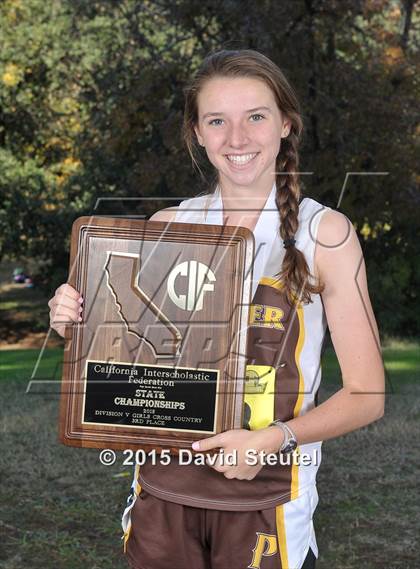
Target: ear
pixel 287 127
pixel 198 135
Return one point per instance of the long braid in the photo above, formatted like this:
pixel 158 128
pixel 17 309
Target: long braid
pixel 294 273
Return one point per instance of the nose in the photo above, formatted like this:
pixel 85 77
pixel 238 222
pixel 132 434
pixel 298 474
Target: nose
pixel 238 135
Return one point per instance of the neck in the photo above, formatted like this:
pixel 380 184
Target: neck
pixel 255 195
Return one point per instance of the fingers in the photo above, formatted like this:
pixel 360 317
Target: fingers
pixel 68 290
pixel 67 296
pixel 65 308
pixel 217 462
pixel 58 320
pixel 228 461
pixel 232 470
pixel 60 301
pixel 209 443
pixel 64 315
pixel 232 474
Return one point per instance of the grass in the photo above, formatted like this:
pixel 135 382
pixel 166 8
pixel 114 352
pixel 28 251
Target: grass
pixel 60 509
pixel 21 364
pixel 368 513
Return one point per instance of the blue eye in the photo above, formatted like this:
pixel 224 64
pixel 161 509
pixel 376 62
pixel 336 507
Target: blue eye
pixel 213 122
pixel 259 117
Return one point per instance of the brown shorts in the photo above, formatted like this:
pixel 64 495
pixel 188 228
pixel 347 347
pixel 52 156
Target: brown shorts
pixel 165 535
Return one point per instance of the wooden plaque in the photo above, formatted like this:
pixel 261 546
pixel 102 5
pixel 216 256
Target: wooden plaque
pixel 159 358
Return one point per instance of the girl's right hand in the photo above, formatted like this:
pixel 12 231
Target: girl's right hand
pixel 65 308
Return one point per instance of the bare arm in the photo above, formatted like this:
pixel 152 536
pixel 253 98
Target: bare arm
pixel 339 263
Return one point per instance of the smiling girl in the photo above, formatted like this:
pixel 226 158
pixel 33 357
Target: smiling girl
pixel 308 274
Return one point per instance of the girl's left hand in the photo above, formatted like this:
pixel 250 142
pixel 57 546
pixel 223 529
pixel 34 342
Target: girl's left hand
pixel 238 442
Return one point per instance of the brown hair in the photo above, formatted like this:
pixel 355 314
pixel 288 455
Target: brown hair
pixel 294 272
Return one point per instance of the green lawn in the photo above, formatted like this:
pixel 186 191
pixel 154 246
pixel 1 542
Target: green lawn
pixel 21 364
pixel 60 509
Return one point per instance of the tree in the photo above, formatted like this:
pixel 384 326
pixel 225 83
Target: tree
pixel 91 107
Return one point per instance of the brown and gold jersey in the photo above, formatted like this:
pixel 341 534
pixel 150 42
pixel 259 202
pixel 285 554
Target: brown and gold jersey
pixel 283 369
pixel 283 375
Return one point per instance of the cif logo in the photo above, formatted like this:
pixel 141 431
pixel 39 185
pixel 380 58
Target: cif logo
pixel 196 273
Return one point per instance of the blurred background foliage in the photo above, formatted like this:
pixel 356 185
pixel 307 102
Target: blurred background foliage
pixel 91 102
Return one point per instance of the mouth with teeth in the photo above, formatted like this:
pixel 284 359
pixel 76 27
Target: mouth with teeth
pixel 241 159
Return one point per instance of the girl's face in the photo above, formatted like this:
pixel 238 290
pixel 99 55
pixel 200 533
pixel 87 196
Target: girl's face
pixel 240 125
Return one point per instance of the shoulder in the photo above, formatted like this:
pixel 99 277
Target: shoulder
pixel 194 202
pixel 167 214
pixel 310 213
pixel 327 226
pixel 308 207
pixel 338 249
pixel 334 228
pixel 170 213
